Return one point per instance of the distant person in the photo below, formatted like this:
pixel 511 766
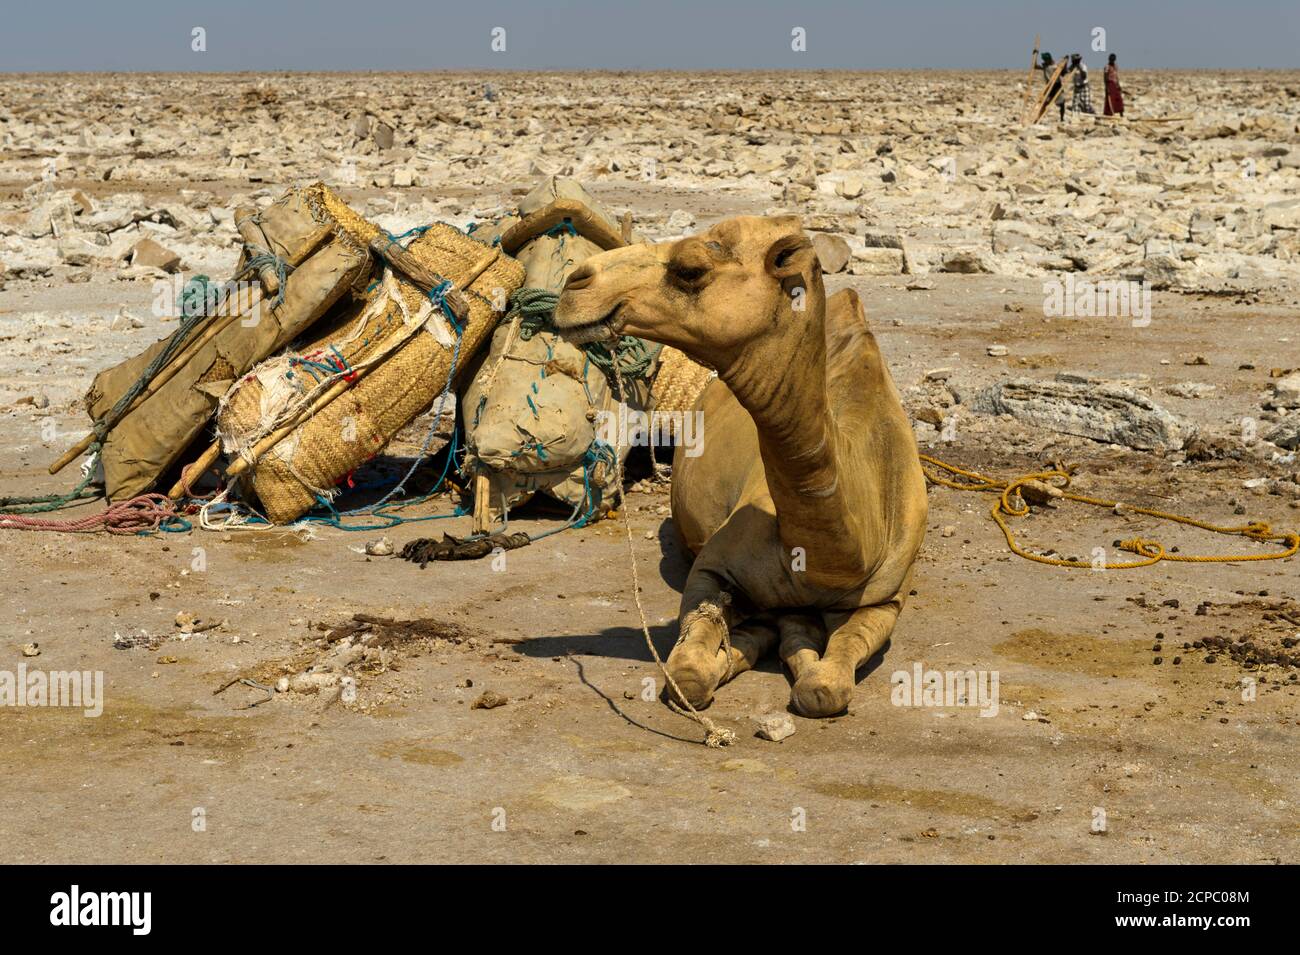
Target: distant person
pixel 1049 67
pixel 1082 92
pixel 1114 95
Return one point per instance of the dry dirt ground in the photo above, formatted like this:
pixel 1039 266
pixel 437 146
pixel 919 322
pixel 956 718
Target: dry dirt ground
pixel 1191 761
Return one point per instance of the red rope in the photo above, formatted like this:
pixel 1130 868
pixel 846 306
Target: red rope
pixel 144 513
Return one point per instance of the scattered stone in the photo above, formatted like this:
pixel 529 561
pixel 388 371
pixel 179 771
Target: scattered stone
pixel 873 260
pixel 1285 436
pixel 125 321
pixel 775 726
pixel 966 262
pixel 379 548
pixel 382 134
pixel 34 650
pixel 489 700
pixel 850 187
pixel 1286 391
pixel 679 221
pixel 832 251
pixel 149 253
pixel 1089 408
pixel 1189 389
pixel 1040 493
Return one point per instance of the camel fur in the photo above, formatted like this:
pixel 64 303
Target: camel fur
pixel 806 508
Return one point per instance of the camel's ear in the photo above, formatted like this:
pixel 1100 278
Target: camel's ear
pixel 789 256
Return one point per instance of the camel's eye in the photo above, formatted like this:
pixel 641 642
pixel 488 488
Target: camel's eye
pixel 687 273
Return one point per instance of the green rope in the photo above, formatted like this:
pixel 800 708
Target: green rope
pixel 195 289
pixel 536 308
pixel 51 502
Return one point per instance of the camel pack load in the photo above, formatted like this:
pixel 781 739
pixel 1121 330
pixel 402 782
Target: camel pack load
pixel 534 412
pixel 148 410
pixel 333 336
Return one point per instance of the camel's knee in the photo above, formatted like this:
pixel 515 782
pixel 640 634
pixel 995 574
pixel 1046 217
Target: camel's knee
pixel 822 689
pixel 694 673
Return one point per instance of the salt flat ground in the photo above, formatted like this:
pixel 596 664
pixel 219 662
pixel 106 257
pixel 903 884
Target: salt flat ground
pixel 577 766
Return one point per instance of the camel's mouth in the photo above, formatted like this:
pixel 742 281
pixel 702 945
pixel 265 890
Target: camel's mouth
pixel 606 328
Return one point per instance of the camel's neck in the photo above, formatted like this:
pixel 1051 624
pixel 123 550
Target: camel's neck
pixel 784 389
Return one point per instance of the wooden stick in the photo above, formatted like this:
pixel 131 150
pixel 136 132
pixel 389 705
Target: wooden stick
pixel 242 464
pixel 482 520
pixel 481 266
pixel 195 470
pixel 217 323
pixel 167 373
pixel 1043 104
pixel 1029 83
pixel 252 235
pixel 585 222
pixel 417 272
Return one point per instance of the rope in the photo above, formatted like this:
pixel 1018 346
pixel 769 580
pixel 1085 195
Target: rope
pixel 715 736
pixel 1150 551
pixel 536 310
pixel 139 515
pixel 44 503
pixel 259 258
pixel 191 319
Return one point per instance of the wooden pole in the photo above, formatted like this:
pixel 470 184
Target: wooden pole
pixel 417 272
pixel 195 470
pixel 1029 83
pixel 242 464
pixel 482 514
pixel 252 235
pixel 1043 103
pixel 217 323
pixel 585 222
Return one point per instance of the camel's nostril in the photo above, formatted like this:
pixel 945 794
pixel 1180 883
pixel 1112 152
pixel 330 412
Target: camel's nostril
pixel 579 278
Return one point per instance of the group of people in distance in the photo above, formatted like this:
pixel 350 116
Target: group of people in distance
pixel 1082 101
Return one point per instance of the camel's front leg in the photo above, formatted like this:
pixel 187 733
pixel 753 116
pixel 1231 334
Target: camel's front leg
pixel 803 638
pixel 824 688
pixel 712 646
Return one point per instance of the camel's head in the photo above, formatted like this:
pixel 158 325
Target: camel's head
pixel 710 295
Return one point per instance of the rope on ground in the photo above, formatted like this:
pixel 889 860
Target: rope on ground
pixel 192 318
pixel 1149 551
pixel 139 515
pixel 714 735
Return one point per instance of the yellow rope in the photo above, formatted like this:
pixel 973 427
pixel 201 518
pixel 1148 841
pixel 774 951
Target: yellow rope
pixel 1151 552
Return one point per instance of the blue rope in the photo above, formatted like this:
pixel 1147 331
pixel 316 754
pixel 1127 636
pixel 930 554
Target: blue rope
pixel 380 508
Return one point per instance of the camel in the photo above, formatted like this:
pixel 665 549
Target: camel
pixel 806 508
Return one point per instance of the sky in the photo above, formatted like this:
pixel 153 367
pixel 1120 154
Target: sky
pixel 269 35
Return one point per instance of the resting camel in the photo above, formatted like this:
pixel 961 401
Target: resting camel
pixel 806 507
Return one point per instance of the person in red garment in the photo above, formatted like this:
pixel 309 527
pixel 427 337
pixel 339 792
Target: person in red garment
pixel 1114 95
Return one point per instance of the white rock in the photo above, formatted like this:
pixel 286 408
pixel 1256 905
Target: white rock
pixel 774 726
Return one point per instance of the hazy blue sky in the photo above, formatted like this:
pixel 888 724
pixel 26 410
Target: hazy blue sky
pixel 650 34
